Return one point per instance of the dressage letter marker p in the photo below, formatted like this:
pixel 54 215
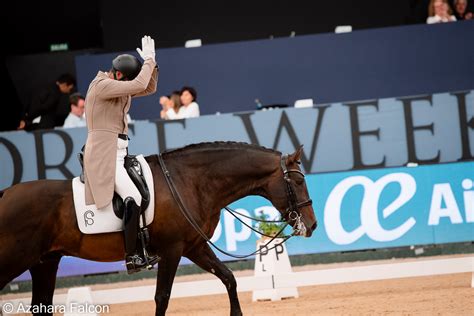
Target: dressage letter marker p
pixel 262 251
pixel 279 250
pixel 272 260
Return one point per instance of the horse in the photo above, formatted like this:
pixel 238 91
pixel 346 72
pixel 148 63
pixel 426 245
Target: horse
pixel 38 223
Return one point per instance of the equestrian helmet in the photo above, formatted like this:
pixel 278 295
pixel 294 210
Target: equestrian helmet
pixel 128 65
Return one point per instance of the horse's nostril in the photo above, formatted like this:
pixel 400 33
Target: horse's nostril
pixel 314 226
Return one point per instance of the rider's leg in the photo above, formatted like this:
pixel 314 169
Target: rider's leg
pixel 134 259
pixel 124 186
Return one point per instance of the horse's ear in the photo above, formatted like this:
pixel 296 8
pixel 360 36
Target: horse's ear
pixel 296 156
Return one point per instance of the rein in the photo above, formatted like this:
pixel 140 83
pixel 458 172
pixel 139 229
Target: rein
pixel 235 213
pixel 290 213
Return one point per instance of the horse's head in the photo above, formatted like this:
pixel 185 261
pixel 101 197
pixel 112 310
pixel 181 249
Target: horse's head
pixel 288 192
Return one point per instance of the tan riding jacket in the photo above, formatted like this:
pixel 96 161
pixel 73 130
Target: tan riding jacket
pixel 107 105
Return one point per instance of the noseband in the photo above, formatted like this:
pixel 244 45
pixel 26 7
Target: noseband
pixel 292 211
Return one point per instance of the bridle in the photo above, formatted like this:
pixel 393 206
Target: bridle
pixel 291 213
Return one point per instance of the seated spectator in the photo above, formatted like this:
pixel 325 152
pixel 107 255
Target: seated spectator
pixel 189 106
pixel 460 10
pixel 46 105
pixel 165 101
pixel 171 104
pixel 76 117
pixel 439 11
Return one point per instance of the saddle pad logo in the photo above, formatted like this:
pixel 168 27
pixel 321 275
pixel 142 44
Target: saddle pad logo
pixel 88 218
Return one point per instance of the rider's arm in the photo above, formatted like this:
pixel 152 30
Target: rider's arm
pixel 151 88
pixel 110 88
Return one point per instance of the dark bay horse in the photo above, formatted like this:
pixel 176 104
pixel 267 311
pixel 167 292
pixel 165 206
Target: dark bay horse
pixel 38 223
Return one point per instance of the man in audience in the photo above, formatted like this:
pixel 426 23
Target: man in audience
pixel 76 117
pixel 460 10
pixel 45 106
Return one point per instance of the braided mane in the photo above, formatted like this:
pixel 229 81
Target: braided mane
pixel 218 145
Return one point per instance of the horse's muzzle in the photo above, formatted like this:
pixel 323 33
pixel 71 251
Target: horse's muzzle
pixel 309 232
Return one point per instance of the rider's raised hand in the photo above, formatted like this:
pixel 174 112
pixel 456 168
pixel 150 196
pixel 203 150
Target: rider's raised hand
pixel 148 48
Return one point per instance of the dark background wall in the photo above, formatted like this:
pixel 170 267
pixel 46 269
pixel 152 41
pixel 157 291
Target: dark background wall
pixel 109 26
pixel 174 22
pixel 366 64
pixel 28 30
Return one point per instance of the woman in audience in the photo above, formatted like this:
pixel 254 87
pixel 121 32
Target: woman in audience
pixel 439 12
pixel 171 104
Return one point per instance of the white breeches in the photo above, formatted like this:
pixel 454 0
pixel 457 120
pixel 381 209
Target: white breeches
pixel 124 186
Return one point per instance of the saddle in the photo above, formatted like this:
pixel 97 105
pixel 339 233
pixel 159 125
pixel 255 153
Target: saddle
pixel 135 172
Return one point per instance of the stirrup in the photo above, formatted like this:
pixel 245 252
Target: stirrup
pixel 136 263
pixel 151 261
pixel 144 237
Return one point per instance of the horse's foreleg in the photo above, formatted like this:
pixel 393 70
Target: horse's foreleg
pixel 205 258
pixel 166 272
pixel 43 275
pixel 14 259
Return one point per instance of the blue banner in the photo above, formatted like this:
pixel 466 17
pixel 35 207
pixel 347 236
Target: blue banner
pixel 370 209
pixel 373 209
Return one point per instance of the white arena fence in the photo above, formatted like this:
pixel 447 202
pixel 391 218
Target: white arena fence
pixel 373 272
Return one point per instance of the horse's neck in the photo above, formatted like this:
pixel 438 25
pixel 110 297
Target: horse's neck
pixel 225 177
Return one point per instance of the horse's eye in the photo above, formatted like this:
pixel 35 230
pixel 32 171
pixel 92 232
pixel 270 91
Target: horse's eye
pixel 299 181
pixel 298 162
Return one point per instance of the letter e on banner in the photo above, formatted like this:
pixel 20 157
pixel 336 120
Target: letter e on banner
pixel 369 212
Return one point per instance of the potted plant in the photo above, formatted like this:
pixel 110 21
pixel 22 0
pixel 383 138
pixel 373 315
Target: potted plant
pixel 268 228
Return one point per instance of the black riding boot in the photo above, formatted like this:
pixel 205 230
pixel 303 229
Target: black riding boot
pixel 136 257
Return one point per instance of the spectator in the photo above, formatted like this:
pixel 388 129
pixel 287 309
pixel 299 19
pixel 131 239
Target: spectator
pixel 189 106
pixel 76 117
pixel 47 104
pixel 460 10
pixel 439 11
pixel 171 104
pixel 165 102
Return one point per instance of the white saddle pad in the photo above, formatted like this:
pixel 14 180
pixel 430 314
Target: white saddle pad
pixel 95 221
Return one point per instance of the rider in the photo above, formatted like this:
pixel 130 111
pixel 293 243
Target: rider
pixel 108 101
